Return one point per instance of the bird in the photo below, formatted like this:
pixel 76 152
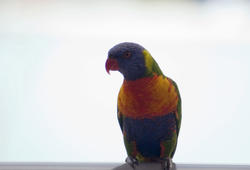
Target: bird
pixel 148 107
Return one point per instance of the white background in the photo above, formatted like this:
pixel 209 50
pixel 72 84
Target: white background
pixel 57 103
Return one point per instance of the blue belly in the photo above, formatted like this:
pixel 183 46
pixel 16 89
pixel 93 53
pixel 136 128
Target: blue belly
pixel 148 133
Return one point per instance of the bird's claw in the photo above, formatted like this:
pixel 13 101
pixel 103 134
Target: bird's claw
pixel 166 163
pixel 131 161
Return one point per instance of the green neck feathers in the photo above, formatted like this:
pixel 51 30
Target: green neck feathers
pixel 152 67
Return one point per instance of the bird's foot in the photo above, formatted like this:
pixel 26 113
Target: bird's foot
pixel 166 163
pixel 131 161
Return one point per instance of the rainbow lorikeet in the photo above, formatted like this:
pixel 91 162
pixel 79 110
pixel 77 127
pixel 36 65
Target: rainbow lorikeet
pixel 149 106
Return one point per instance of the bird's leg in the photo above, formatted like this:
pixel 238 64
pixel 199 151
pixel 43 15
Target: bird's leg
pixel 166 163
pixel 131 161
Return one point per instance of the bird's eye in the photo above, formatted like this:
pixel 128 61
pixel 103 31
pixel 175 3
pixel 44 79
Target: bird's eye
pixel 127 54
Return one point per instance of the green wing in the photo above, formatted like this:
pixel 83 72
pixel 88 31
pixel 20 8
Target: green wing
pixel 177 119
pixel 130 146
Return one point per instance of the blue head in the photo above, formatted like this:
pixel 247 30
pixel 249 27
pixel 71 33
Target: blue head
pixel 128 59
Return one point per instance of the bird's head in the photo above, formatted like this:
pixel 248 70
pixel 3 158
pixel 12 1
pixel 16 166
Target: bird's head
pixel 129 59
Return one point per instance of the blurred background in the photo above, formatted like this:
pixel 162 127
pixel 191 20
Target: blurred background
pixel 58 104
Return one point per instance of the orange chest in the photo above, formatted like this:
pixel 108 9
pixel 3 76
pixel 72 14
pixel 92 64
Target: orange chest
pixel 147 97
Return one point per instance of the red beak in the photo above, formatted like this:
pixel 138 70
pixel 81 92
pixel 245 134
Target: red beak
pixel 111 64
